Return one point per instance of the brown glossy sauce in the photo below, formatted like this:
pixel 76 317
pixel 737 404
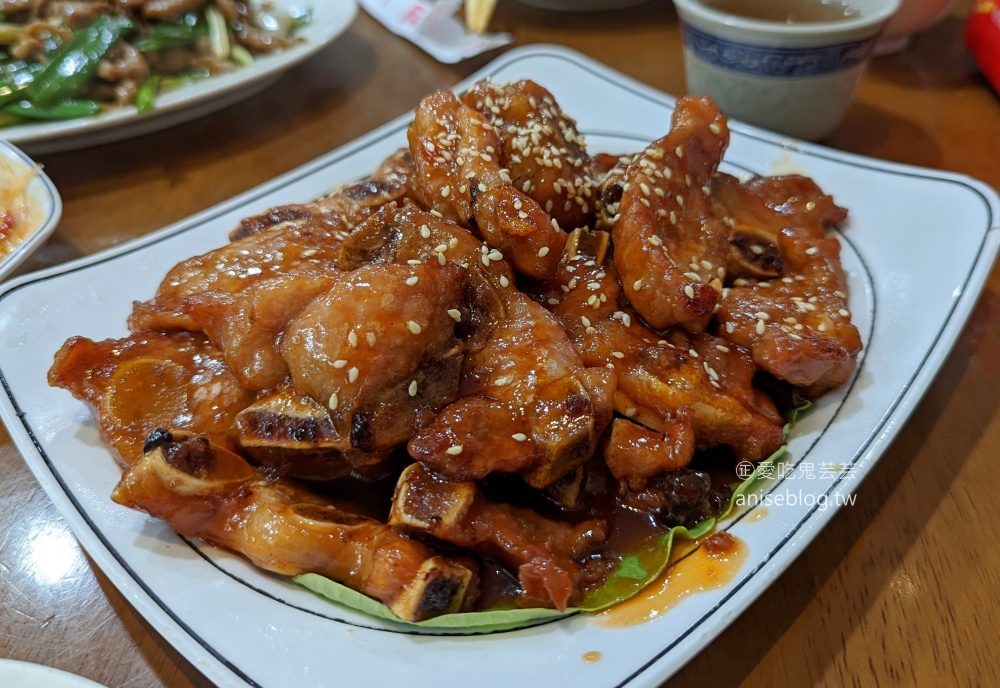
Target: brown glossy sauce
pixel 787 11
pixel 710 566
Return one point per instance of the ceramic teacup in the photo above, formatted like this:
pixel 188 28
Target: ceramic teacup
pixel 796 78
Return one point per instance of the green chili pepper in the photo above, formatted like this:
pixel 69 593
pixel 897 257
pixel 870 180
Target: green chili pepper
pixel 15 77
pixel 164 35
pixel 67 109
pixel 75 63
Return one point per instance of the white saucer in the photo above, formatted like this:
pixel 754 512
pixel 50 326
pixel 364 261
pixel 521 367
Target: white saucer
pixel 16 674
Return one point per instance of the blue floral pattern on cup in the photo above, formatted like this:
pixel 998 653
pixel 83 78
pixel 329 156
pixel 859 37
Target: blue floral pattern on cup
pixel 776 62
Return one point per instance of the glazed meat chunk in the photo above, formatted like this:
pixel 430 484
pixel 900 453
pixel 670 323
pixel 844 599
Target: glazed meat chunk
pixel 670 249
pixel 369 348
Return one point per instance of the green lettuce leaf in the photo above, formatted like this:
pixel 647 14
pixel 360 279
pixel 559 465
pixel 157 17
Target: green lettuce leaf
pixel 633 573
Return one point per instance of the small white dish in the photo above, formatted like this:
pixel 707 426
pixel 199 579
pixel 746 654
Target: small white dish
pixel 17 674
pixel 242 627
pixel 330 18
pixel 793 78
pixel 44 208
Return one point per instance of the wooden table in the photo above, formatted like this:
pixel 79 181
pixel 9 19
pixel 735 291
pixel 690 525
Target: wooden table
pixel 898 590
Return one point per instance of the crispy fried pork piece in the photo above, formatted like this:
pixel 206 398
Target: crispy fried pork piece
pixel 670 249
pixel 247 325
pixel 404 233
pixel 671 384
pixel 344 209
pixel 541 147
pixel 294 435
pixel 208 492
pixel 379 350
pixel 529 404
pixel 539 413
pixel 277 252
pixel 546 554
pixel 147 381
pixel 634 453
pixel 455 151
pixel 796 326
pixel 754 212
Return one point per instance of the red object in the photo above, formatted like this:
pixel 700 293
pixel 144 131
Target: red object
pixel 982 38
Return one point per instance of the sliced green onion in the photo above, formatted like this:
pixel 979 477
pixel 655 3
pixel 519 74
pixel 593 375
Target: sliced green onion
pixel 145 95
pixel 10 33
pixel 218 33
pixel 241 56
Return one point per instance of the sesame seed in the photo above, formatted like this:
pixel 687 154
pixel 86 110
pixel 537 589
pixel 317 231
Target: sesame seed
pixel 631 411
pixel 553 301
pixel 761 315
pixel 414 327
pixel 844 312
pixel 655 240
pixel 715 128
pixel 693 276
pixel 637 285
pixel 454 450
pixel 441 260
pixel 334 402
pixel 410 281
pixel 723 349
pixel 339 363
pixel 519 437
pixel 440 248
pixel 543 251
pixel 760 327
pixel 455 314
pixel 352 375
pixel 370 338
pixel 425 231
pixel 495 255
pixel 821 327
pixel 756 249
pixel 679 152
pixel 689 291
pixel 585 320
pixel 412 389
pixel 812 251
pixel 730 326
pixel 352 339
pixel 309 252
pixel 502 381
pixel 504 282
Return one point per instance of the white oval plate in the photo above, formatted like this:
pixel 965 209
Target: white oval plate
pixel 45 208
pixel 242 627
pixel 16 674
pixel 330 18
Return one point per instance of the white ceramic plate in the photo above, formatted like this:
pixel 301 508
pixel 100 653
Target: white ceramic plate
pixel 15 674
pixel 329 19
pixel 45 209
pixel 911 294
